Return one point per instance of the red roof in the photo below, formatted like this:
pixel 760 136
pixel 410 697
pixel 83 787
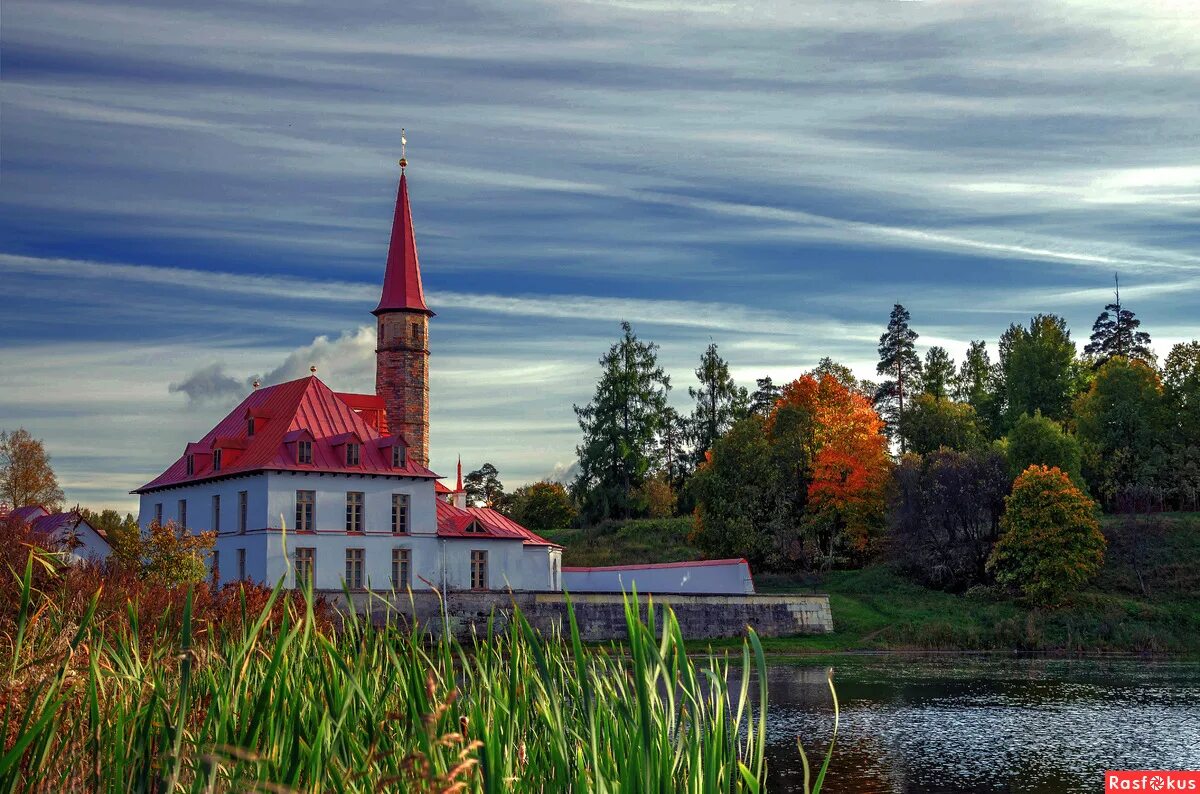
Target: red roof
pixel 402 280
pixel 453 522
pixel 282 410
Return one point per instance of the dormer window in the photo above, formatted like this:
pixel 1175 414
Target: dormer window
pixel 399 457
pixel 304 452
pixel 352 454
pixel 216 460
pixel 475 528
pixel 191 465
pixel 250 426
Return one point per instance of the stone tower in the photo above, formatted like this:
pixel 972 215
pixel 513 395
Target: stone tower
pixel 402 349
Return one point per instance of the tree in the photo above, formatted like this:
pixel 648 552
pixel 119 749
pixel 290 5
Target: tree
pixel 543 505
pixel 945 515
pixel 899 363
pixel 844 513
pixel 739 494
pixel 765 395
pixel 843 375
pixel 1036 440
pixel 1115 333
pixel 933 423
pixel 123 533
pixel 1039 368
pixel 976 385
pixel 671 458
pixel 1120 422
pixel 483 486
pixel 1050 542
pixel 937 374
pixel 1181 390
pixel 26 477
pixel 619 427
pixel 165 553
pixel 719 401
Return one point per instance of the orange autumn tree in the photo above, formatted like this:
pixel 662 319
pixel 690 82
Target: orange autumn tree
pixel 850 464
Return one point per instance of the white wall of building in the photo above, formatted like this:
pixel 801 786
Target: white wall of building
pixel 270 552
pixel 712 576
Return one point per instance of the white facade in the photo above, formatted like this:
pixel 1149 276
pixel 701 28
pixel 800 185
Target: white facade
pixel 261 542
pixel 702 576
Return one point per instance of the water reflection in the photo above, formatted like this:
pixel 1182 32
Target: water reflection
pixel 1014 725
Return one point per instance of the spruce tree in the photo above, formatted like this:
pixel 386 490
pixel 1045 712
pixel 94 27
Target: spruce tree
pixel 765 395
pixel 1115 333
pixel 937 374
pixel 619 426
pixel 899 363
pixel 719 401
pixel 1039 369
pixel 978 385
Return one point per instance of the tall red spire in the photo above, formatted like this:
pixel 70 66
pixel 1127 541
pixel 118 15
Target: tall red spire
pixel 458 486
pixel 402 280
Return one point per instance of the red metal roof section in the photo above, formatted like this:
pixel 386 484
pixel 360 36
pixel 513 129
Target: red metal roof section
pixel 304 404
pixel 453 522
pixel 402 280
pixel 370 407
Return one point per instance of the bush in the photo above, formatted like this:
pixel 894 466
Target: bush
pixel 1050 543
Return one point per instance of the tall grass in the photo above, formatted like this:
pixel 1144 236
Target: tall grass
pixel 278 701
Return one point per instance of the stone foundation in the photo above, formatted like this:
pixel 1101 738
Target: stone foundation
pixel 601 616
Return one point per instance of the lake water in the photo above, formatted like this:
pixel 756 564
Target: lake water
pixel 959 724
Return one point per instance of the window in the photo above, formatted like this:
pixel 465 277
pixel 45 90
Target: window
pixel 354 568
pixel 250 426
pixel 475 528
pixel 304 452
pixel 400 513
pixel 400 569
pixel 241 564
pixel 191 465
pixel 305 556
pixel 354 511
pixel 305 500
pixel 183 513
pixel 216 567
pixel 416 333
pixel 216 517
pixel 158 514
pixel 243 500
pixel 399 457
pixel 216 460
pixel 479 570
pixel 352 455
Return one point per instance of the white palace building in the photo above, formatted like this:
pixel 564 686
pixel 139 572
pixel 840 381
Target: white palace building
pixel 302 481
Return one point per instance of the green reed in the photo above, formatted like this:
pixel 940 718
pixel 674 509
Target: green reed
pixel 282 702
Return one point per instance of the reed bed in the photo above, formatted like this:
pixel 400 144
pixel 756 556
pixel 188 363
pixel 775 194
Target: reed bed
pixel 282 701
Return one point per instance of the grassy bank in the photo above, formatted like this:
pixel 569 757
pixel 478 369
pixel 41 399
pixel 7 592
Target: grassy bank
pixel 1146 599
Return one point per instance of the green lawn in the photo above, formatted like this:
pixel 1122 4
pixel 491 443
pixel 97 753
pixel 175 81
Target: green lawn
pixel 1147 598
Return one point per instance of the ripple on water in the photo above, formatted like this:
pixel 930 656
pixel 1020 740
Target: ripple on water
pixel 1032 726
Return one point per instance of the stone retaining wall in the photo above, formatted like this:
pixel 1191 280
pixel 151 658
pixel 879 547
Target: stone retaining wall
pixel 601 616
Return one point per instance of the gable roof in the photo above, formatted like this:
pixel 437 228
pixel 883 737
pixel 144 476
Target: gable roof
pixel 303 404
pixel 452 522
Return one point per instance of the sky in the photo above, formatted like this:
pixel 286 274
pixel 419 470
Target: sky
pixel 196 194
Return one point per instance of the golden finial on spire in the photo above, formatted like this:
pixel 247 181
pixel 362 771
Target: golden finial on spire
pixel 403 147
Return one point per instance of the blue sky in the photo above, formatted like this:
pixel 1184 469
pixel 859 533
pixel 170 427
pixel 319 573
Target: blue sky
pixel 196 194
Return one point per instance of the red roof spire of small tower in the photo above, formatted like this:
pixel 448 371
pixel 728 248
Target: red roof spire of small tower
pixel 459 487
pixel 402 280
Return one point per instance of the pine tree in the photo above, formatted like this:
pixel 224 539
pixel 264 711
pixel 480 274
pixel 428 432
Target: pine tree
pixel 937 375
pixel 619 426
pixel 898 361
pixel 719 401
pixel 1115 333
pixel 483 486
pixel 765 395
